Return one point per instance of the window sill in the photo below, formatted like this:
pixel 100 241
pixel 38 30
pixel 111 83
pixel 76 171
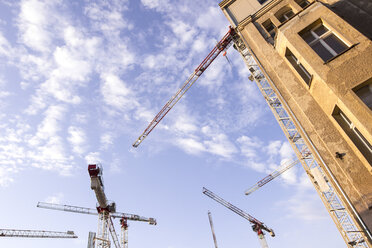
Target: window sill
pixel 338 55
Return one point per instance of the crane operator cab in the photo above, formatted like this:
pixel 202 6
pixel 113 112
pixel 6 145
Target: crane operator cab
pixel 96 170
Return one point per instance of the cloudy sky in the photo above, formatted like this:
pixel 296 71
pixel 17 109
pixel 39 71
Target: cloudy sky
pixel 80 81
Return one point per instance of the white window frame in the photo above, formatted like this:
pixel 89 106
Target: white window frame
pixel 321 39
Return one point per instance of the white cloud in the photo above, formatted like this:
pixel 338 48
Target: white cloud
pixel 221 145
pixel 93 158
pixel 6 174
pixel 34 19
pixel 304 204
pixel 190 146
pixel 50 126
pixel 77 139
pixel 249 146
pixel 55 199
pixel 107 139
pixel 116 93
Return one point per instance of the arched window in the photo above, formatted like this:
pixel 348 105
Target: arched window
pixel 284 14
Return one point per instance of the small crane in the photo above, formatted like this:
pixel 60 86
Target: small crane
pixel 212 228
pixel 221 46
pixel 270 177
pixel 106 210
pixel 36 234
pixel 257 226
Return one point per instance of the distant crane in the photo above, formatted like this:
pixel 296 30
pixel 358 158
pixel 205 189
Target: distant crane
pixel 221 46
pixel 212 228
pixel 36 234
pixel 270 177
pixel 106 210
pixel 257 226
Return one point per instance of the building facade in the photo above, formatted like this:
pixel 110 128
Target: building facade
pixel 318 54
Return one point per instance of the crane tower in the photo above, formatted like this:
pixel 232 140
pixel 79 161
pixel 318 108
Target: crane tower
pixel 257 226
pixel 106 211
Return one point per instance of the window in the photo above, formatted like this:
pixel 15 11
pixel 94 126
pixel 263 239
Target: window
pixel 323 42
pixel 356 137
pixel 298 66
pixel 284 14
pixel 302 3
pixel 364 92
pixel 270 28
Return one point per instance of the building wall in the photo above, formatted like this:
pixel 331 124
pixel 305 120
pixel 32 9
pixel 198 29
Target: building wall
pixel 331 85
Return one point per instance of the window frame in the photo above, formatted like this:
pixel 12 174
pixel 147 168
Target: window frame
pixel 296 65
pixel 367 83
pixel 300 3
pixel 353 133
pixel 330 31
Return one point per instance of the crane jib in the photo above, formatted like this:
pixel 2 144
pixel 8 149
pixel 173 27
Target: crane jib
pixel 225 42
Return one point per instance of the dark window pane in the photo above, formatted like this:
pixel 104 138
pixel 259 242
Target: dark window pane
pixel 365 94
pixel 320 30
pixel 308 37
pixel 303 4
pixel 289 14
pixel 335 43
pixel 298 67
pixel 282 19
pixel 322 51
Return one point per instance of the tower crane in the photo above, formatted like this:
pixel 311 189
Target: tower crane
pixel 270 177
pixel 212 228
pixel 36 234
pixel 257 226
pixel 332 195
pixel 221 46
pixel 106 211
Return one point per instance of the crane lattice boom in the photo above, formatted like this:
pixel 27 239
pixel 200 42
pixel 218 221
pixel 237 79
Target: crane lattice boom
pixel 238 211
pixel 91 211
pixel 270 177
pixel 224 43
pixel 36 234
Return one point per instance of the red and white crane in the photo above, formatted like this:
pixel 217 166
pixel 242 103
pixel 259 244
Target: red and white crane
pixel 36 234
pixel 106 211
pixel 221 46
pixel 257 226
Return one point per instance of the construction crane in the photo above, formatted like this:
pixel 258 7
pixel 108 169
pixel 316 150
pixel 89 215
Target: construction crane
pixel 106 210
pixel 257 226
pixel 271 176
pixel 212 229
pixel 36 234
pixel 334 198
pixel 221 46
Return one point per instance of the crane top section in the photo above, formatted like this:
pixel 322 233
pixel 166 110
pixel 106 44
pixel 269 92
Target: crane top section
pixel 256 223
pixel 96 180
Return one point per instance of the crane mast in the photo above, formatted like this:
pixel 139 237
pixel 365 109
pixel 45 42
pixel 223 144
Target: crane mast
pixel 221 46
pixel 106 210
pixel 257 225
pixel 36 234
pixel 212 229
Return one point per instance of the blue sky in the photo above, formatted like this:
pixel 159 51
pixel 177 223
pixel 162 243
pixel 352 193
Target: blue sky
pixel 80 81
